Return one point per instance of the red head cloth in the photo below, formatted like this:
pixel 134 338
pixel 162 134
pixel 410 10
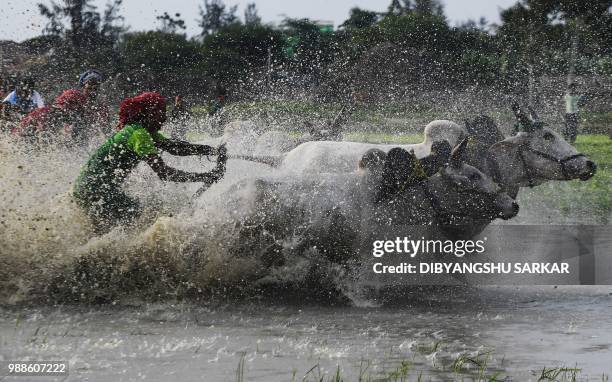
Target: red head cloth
pixel 70 100
pixel 146 106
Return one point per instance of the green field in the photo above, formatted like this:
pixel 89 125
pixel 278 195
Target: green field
pixel 390 117
pixel 383 138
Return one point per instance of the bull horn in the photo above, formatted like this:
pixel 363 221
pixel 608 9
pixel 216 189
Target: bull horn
pixel 533 114
pixel 537 124
pixel 456 156
pixel 525 122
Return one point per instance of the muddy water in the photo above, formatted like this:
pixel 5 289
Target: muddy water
pixel 180 249
pixel 524 330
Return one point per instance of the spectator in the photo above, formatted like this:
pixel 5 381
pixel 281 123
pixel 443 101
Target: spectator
pixel 24 99
pixel 573 101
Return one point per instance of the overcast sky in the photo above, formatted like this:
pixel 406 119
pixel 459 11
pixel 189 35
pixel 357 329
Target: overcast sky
pixel 20 19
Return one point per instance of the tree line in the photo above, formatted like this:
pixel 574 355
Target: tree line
pixel 411 45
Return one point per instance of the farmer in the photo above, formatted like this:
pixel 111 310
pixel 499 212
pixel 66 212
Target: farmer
pixel 219 103
pixel 523 121
pixel 440 152
pixel 215 110
pixel 179 111
pixel 53 123
pixel 179 115
pixel 401 170
pixel 93 114
pixel 24 98
pixel 98 188
pixel 96 110
pixel 72 117
pixel 573 101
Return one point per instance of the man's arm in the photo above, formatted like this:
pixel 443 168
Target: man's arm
pixel 171 174
pixel 182 148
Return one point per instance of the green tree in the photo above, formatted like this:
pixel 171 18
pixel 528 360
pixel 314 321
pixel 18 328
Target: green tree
pixel 171 24
pixel 479 61
pixel 214 16
pixel 250 15
pixel 360 18
pixel 158 51
pixel 429 7
pixel 234 52
pixel 88 28
pixel 82 37
pixel 552 36
pixel 425 32
pixel 399 8
pixel 309 48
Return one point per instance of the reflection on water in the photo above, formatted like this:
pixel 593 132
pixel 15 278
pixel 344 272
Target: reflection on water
pixel 517 330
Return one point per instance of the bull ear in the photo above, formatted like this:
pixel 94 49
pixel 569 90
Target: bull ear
pixel 532 113
pixel 524 121
pixel 537 124
pixel 456 156
pixel 508 147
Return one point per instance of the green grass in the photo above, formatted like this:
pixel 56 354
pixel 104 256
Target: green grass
pixel 596 122
pixel 465 367
pixel 380 116
pixel 383 137
pixel 374 116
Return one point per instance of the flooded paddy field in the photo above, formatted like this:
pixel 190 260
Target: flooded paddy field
pixel 514 333
pixel 154 307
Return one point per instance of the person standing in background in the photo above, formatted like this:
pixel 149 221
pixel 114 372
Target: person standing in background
pixel 24 99
pixel 573 101
pixel 219 102
pixel 215 110
pixel 179 116
pixel 96 110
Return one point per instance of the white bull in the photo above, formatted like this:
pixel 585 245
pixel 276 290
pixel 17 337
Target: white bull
pixel 331 156
pixel 531 158
pixel 525 160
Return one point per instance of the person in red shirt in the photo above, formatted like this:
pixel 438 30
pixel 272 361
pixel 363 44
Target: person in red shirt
pixel 96 111
pixel 74 116
pixel 56 122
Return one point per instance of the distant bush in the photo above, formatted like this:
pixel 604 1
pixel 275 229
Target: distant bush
pixel 236 50
pixel 158 51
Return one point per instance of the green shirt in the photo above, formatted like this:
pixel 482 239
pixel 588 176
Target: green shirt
pixel 108 167
pixel 571 103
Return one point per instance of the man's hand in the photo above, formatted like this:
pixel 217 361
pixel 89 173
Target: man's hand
pixel 222 153
pixel 219 170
